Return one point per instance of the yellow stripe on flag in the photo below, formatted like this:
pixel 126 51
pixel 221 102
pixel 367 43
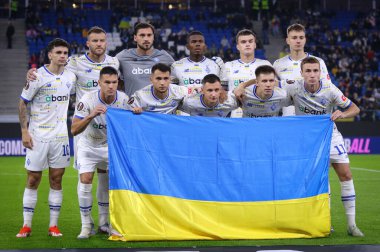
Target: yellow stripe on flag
pixel 140 217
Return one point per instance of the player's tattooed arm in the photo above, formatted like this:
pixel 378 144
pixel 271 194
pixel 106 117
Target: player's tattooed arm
pixel 23 117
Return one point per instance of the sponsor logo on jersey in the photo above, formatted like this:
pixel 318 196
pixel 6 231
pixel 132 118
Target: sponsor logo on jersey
pixel 131 100
pixel 92 83
pixel 99 126
pixel 311 111
pixel 253 105
pixel 344 98
pixel 141 70
pixel 80 106
pixel 58 98
pixel 191 81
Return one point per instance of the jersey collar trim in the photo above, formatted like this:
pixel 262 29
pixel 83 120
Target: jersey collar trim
pixel 100 99
pixel 307 55
pixel 253 61
pixel 155 97
pixel 89 59
pixel 51 72
pixel 203 59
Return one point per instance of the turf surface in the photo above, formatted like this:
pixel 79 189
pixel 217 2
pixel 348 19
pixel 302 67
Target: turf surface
pixel 365 169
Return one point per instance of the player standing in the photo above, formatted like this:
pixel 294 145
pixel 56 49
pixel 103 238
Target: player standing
pixel 288 68
pixel 312 96
pixel 136 63
pixel 46 138
pixel 90 119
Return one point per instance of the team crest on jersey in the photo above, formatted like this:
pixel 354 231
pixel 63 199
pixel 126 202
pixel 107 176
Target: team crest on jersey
pixel 89 70
pixel 208 69
pixel 273 107
pixel 344 98
pixel 48 84
pixel 236 71
pixel 80 106
pixel 26 85
pixel 131 100
pixel 156 59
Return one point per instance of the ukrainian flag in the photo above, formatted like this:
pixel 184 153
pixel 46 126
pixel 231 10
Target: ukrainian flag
pixel 184 178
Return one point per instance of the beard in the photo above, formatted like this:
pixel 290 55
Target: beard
pixel 145 47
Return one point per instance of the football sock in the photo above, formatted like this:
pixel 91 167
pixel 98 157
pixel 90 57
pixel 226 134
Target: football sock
pixel 29 203
pixel 348 199
pixel 103 198
pixel 55 202
pixel 85 203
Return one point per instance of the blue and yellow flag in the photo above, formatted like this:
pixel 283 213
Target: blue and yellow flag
pixel 183 178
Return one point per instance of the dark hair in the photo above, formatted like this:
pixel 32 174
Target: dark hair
pixel 108 70
pixel 309 60
pixel 210 78
pixel 193 33
pixel 245 32
pixel 161 67
pixel 295 27
pixel 96 29
pixel 265 69
pixel 139 26
pixel 57 42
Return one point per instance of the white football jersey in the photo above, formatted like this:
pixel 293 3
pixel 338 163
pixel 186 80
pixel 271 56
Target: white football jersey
pixel 290 70
pixel 320 102
pixel 254 106
pixel 95 133
pixel 195 106
pixel 148 101
pixel 49 96
pixel 189 72
pixel 236 71
pixel 87 72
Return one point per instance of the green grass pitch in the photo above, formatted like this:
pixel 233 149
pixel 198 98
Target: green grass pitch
pixel 365 169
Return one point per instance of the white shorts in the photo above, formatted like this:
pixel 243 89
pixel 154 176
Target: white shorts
pixel 52 154
pixel 338 152
pixel 289 111
pixel 89 158
pixel 237 113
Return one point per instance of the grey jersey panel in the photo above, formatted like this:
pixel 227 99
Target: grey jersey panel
pixel 136 69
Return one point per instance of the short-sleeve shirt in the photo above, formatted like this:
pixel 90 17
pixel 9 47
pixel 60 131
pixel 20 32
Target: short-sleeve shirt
pixel 49 97
pixel 95 133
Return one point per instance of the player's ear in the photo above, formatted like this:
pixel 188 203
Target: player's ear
pixel 87 42
pixel 134 38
